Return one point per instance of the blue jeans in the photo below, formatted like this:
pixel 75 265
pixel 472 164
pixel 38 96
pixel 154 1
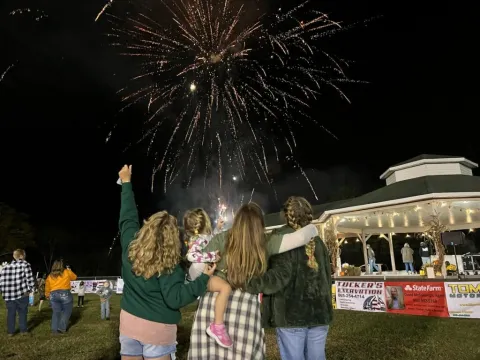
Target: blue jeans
pixel 62 306
pixel 372 264
pixel 409 265
pixel 105 310
pixel 19 306
pixel 302 343
pixel 132 347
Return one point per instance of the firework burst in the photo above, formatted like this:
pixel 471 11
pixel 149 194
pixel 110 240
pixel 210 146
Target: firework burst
pixel 223 86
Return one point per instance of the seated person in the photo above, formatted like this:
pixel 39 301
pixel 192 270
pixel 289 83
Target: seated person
pixel 451 269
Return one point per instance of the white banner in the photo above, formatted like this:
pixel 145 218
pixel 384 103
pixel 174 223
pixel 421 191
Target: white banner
pixel 463 299
pixel 90 285
pixel 119 286
pixel 360 295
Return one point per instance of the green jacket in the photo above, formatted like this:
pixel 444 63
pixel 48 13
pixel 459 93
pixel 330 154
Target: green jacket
pixel 159 298
pixel 294 294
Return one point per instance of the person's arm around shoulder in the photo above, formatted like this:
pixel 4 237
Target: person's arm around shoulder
pixel 128 222
pixel 275 279
pixel 176 293
pixel 278 243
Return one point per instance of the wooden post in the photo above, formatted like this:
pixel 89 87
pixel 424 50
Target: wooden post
pixel 392 255
pixel 365 256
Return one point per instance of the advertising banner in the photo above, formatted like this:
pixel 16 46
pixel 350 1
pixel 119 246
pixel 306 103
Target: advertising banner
pixel 416 298
pixel 360 295
pixel 90 285
pixel 463 299
pixel 334 296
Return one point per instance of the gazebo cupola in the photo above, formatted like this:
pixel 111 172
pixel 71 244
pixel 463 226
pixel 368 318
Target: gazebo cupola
pixel 428 165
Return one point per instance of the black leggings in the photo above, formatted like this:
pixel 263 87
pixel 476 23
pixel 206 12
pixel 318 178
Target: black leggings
pixel 80 300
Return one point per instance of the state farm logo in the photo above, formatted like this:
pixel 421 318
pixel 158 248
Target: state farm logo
pixel 423 288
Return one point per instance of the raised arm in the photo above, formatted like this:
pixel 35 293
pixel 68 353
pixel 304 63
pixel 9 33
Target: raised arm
pixel 71 275
pixel 278 243
pixel 275 279
pixel 176 293
pixel 128 223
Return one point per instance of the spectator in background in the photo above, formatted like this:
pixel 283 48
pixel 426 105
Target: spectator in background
pixel 407 257
pixel 372 263
pixel 81 294
pixel 105 292
pixel 58 289
pixel 16 282
pixel 425 253
pixel 41 291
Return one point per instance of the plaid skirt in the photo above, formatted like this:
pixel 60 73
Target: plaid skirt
pixel 243 323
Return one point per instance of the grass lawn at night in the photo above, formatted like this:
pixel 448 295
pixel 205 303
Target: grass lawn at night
pixel 353 336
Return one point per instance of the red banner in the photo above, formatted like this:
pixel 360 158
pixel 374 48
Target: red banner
pixel 416 298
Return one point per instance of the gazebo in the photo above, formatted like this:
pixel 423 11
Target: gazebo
pixel 417 191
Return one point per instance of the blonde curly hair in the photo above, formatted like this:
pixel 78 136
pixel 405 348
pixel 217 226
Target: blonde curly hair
pixel 299 213
pixel 156 248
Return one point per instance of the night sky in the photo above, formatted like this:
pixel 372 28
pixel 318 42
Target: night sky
pixel 59 101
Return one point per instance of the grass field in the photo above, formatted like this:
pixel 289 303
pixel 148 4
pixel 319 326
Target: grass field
pixel 353 336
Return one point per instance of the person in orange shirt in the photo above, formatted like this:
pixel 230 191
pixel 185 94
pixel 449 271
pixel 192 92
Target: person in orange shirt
pixel 58 290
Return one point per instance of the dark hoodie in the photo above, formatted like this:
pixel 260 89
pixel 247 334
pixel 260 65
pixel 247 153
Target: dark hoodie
pixel 424 250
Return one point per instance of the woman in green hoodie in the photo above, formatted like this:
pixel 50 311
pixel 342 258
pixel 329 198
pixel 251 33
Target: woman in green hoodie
pixel 154 282
pixel 298 291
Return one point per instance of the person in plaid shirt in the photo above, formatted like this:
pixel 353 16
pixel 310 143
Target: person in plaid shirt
pixel 16 282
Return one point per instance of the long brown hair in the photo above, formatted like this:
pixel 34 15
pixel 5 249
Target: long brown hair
pixel 299 213
pixel 245 250
pixel 57 269
pixel 156 248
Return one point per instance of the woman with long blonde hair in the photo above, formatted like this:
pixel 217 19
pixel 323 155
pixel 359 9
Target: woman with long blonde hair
pixel 297 290
pixel 244 251
pixel 154 282
pixel 58 289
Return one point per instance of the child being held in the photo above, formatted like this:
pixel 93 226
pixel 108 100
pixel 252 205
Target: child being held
pixel 199 231
pixel 105 293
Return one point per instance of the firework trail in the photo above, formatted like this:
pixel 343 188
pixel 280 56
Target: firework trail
pixel 107 5
pixel 233 83
pixel 5 72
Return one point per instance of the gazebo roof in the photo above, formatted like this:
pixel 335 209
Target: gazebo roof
pixel 440 184
pixel 424 165
pixel 415 187
pixel 427 157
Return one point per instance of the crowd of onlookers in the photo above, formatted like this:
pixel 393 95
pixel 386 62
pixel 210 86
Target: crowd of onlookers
pixel 17 286
pixel 225 270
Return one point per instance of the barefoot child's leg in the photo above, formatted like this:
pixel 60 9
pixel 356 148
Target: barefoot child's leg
pixel 217 329
pixel 217 284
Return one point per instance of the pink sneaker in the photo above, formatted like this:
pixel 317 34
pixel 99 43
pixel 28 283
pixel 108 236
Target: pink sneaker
pixel 219 334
